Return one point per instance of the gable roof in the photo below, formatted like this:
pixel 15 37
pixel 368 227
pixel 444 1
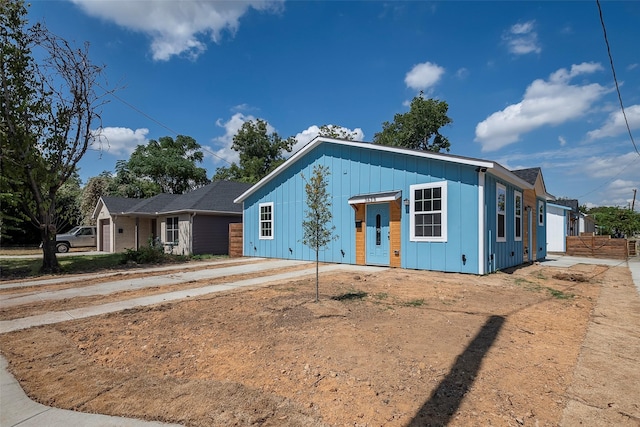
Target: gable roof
pixel 530 175
pixel 571 203
pixel 216 197
pixel 534 177
pixel 496 169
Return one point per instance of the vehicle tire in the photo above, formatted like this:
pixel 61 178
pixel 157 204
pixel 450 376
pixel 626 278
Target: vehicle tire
pixel 62 248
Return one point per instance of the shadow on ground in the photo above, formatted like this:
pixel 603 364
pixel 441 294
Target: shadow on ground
pixel 447 397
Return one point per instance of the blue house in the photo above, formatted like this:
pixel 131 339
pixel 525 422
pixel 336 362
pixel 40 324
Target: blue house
pixel 400 208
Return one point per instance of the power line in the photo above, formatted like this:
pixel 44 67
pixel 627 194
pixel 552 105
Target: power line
pixel 609 181
pixel 615 79
pixel 139 111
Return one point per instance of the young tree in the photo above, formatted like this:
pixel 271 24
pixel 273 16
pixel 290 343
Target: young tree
pixel 48 109
pixel 418 129
pixel 317 233
pixel 260 153
pixel 169 163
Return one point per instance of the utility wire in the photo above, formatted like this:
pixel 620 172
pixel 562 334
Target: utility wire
pixel 615 79
pixel 610 180
pixel 134 108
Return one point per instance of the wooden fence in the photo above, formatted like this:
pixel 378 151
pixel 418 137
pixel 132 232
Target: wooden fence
pixel 235 240
pixel 597 247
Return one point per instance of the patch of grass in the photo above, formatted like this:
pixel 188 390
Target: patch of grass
pixel 206 257
pixel 528 285
pixel 28 267
pixel 381 295
pixel 418 302
pixel 541 276
pixel 559 294
pixel 87 263
pixel 348 296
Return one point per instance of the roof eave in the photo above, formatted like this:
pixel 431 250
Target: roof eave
pixel 367 145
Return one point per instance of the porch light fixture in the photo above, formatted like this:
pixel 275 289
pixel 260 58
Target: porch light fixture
pixel 406 202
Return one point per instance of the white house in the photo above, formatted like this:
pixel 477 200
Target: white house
pixel 558 218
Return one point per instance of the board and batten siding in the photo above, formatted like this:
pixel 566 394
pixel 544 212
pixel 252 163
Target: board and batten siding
pixel 357 171
pixel 501 254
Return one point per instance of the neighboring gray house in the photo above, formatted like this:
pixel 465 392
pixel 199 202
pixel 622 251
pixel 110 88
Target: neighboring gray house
pixel 578 221
pixel 192 223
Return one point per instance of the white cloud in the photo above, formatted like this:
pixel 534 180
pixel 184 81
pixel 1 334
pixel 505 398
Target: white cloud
pixel 609 166
pixel 231 127
pixel 545 102
pixel 119 141
pixel 620 193
pixel 615 124
pixel 562 141
pixel 177 27
pixel 462 73
pixel 521 39
pixel 423 76
pixel 304 137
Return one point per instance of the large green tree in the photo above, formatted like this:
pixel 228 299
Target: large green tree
pixel 419 128
pixel 259 152
pixel 337 132
pixel 616 221
pixel 318 232
pixel 49 107
pixel 95 188
pixel 171 163
pixel 127 184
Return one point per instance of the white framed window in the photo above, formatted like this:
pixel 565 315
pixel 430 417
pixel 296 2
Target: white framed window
pixel 501 213
pixel 540 212
pixel 266 220
pixel 172 230
pixel 517 213
pixel 428 213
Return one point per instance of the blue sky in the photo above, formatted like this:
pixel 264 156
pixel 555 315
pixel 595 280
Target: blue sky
pixel 528 83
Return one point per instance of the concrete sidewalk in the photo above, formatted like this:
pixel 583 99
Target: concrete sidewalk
pixel 16 409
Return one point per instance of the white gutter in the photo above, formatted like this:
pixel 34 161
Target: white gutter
pixel 481 222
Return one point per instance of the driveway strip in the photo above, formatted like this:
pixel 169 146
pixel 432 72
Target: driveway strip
pixel 61 316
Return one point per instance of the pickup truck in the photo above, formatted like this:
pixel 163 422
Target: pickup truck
pixel 77 237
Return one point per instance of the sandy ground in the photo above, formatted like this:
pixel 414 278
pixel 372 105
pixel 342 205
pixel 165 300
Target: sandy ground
pixel 392 349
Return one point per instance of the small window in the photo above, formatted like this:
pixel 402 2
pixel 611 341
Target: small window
pixel 518 215
pixel 501 211
pixel 172 230
pixel 266 221
pixel 428 214
pixel 540 212
pixel 378 231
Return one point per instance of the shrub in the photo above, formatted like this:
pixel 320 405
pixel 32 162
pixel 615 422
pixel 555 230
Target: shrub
pixel 153 253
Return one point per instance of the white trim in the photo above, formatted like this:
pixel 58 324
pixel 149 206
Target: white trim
pixel 544 213
pixel 271 221
pixel 443 212
pixel 481 223
pixel 517 217
pixel 387 196
pixel 496 169
pixel 501 187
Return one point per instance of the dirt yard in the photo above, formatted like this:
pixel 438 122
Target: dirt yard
pixel 400 348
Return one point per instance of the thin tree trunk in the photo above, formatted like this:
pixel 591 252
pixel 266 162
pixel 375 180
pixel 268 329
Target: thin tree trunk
pixel 317 278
